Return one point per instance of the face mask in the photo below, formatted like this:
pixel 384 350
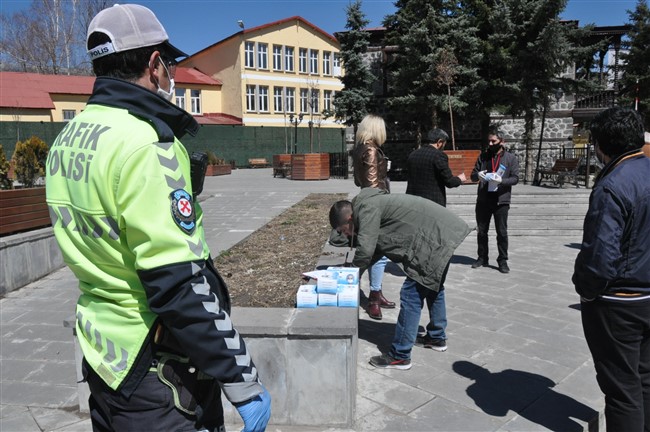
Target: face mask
pixel 494 149
pixel 168 95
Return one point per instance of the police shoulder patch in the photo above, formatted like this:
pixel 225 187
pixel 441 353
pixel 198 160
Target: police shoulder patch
pixel 183 210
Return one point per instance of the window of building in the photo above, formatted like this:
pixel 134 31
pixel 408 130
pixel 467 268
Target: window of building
pixel 263 98
pixel 249 54
pixel 68 115
pixel 327 100
pixel 290 98
pixel 304 100
pixel 336 64
pixel 315 101
pixel 313 61
pixel 250 98
pixel 302 60
pixel 327 65
pixel 288 59
pixel 277 57
pixel 262 56
pixel 179 94
pixel 277 99
pixel 195 101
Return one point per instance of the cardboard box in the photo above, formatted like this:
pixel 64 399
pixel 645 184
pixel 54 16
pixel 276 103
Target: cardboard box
pixel 345 275
pixel 348 295
pixel 327 299
pixel 306 297
pixel 327 283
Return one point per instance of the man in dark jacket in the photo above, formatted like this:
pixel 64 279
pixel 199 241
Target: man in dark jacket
pixel 497 171
pixel 412 231
pixel 428 176
pixel 612 270
pixel 428 169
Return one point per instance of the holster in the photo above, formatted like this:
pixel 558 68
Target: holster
pixel 193 390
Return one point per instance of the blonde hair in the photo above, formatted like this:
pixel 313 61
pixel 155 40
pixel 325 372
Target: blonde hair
pixel 372 128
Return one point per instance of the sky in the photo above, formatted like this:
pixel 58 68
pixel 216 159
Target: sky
pixel 193 25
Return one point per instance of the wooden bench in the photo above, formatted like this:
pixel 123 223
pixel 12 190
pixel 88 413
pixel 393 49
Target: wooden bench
pixel 561 170
pixel 282 165
pixel 258 163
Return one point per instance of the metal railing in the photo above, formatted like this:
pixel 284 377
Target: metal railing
pixel 339 165
pixel 602 99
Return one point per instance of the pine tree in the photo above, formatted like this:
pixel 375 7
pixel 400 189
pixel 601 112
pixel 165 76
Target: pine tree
pixel 425 31
pixel 637 61
pixel 539 51
pixel 351 103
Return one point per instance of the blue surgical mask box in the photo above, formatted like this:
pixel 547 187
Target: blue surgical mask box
pixel 327 299
pixel 306 297
pixel 327 283
pixel 348 295
pixel 346 275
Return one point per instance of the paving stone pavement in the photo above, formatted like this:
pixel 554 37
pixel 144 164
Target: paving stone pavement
pixel 517 359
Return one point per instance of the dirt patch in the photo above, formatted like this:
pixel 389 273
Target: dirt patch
pixel 264 270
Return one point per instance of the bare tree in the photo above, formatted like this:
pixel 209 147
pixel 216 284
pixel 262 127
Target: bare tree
pixel 313 101
pixel 48 37
pixel 447 71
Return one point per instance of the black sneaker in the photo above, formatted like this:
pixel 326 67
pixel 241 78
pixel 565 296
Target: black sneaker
pixel 503 267
pixel 480 262
pixel 385 361
pixel 428 342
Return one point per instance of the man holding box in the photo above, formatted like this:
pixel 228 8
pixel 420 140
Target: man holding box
pixel 412 231
pixel 497 171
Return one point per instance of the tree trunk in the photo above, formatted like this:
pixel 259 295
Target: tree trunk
pixel 529 126
pixel 451 119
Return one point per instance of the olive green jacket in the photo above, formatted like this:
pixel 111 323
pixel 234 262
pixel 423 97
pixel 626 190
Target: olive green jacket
pixel 412 231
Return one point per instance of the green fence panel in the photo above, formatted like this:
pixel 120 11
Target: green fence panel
pixel 232 143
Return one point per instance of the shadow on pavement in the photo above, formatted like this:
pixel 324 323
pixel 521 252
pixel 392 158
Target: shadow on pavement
pixel 461 259
pixel 573 245
pixel 497 393
pixel 394 269
pixel 378 333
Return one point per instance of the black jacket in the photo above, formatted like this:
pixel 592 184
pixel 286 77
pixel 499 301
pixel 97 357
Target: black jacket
pixel 486 162
pixel 429 174
pixel 614 259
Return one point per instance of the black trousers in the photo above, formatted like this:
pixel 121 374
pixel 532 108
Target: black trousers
pixel 618 335
pixel 151 407
pixel 484 212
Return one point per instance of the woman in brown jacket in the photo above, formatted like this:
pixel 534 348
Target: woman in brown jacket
pixel 371 170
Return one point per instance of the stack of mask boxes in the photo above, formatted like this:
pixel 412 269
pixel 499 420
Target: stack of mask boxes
pixel 338 286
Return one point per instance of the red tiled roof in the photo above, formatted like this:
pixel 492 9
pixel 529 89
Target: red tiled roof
pixel 218 119
pixel 32 90
pixel 194 76
pixel 265 26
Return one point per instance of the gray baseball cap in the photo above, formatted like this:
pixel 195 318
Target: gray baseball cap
pixel 129 26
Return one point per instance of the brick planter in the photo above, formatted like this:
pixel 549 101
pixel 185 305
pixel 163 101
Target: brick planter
pixel 310 166
pixel 462 161
pixel 216 170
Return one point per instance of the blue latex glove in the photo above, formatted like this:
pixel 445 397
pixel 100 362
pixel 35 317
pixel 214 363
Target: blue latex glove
pixel 256 412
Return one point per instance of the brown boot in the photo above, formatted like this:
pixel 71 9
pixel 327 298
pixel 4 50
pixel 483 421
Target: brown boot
pixel 374 309
pixel 378 297
pixel 383 301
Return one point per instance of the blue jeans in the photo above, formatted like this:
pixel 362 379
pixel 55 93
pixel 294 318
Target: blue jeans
pixel 412 298
pixel 376 274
